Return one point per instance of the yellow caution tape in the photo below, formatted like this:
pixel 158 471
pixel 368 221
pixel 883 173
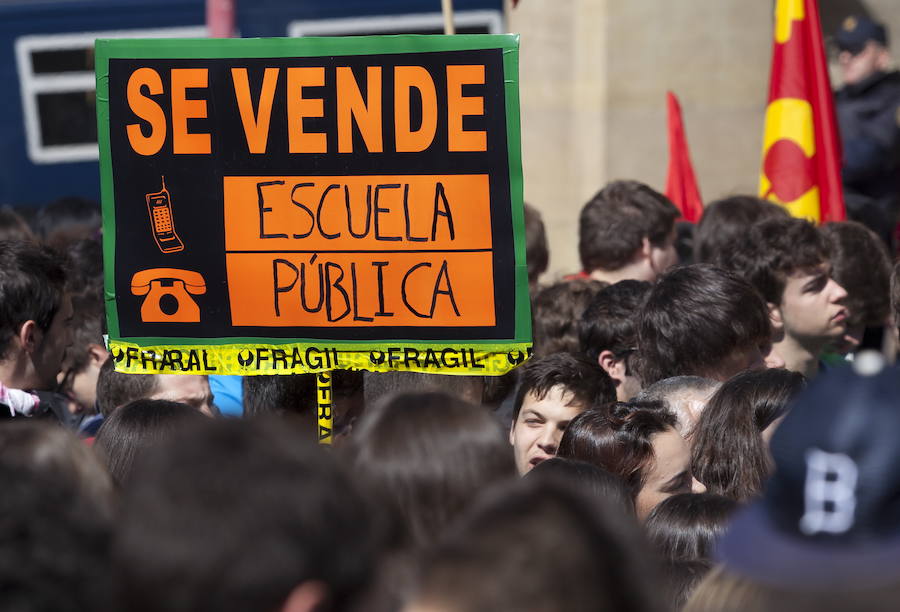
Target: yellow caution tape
pixel 301 358
pixel 325 413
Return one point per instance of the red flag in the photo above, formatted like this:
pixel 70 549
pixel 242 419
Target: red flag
pixel 801 167
pixel 681 184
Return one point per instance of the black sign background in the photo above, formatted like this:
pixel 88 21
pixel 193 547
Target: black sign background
pixel 196 182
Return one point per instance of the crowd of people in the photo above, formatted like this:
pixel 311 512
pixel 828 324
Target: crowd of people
pixel 708 424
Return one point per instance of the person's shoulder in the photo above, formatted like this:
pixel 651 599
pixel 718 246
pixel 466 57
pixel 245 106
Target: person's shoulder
pixel 879 86
pixel 887 87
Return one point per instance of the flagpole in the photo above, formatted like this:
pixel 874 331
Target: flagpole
pixel 447 6
pixel 220 18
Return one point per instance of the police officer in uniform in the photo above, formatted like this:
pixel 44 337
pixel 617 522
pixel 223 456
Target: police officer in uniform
pixel 868 113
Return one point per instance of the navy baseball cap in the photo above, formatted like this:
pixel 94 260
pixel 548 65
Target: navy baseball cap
pixel 830 514
pixel 856 31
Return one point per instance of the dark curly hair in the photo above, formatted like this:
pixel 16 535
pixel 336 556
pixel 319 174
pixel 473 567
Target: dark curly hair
pixel 727 220
pixel 773 250
pixel 557 311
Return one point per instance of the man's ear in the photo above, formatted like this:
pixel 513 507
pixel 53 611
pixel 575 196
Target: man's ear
pixel 775 316
pixel 646 248
pixel 305 597
pixel 29 336
pixel 883 60
pixel 612 366
pixel 97 354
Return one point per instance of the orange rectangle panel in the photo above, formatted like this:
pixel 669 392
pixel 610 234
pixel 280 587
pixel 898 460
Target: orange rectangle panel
pixel 353 213
pixel 426 289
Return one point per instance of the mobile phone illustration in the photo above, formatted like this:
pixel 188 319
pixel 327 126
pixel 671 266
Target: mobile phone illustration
pixel 159 205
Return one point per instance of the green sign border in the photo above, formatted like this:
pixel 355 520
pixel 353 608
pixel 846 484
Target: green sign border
pixel 207 48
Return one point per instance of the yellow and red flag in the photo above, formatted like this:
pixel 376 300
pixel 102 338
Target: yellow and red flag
pixel 801 168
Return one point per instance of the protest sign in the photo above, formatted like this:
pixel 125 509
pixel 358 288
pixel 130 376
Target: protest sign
pixel 277 206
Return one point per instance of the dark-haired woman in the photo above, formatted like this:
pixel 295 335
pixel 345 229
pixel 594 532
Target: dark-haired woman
pixel 730 443
pixel 638 442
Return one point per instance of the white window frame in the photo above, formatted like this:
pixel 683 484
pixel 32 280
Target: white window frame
pixel 31 84
pixel 395 24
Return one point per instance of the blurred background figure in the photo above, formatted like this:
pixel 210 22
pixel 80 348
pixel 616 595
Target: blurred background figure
pixel 58 510
pixel 136 427
pixel 727 220
pixel 242 516
pixel 867 111
pixel 587 478
pixel 537 254
pixel 683 531
pixel 423 457
pixel 535 546
pixel 68 220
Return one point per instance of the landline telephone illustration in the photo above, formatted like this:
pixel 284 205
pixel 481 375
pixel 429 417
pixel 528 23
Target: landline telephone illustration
pixel 157 283
pixel 159 205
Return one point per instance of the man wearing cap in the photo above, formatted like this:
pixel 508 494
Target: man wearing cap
pixel 868 113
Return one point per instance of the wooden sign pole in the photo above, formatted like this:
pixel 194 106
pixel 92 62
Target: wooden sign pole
pixel 448 17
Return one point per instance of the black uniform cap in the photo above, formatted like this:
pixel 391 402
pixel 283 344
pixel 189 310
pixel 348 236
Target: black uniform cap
pixel 856 31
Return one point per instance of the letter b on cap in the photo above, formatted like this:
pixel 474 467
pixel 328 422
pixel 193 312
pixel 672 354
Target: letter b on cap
pixel 830 492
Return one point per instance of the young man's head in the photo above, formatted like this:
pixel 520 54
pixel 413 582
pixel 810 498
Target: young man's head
pixel 861 265
pixel 552 391
pixel 556 311
pixel 86 355
pixel 537 255
pixel 68 220
pixel 787 261
pixel 379 385
pixel 245 517
pixel 57 505
pixel 608 333
pixel 700 320
pixel 539 545
pixel 627 231
pixel 34 315
pixel 727 220
pixel 115 389
pixel 294 397
pixel 425 457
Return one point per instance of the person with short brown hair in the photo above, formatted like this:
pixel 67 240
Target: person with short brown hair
pixel 627 231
